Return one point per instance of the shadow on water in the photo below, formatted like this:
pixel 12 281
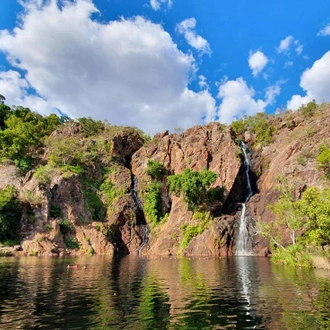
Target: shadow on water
pixel 161 293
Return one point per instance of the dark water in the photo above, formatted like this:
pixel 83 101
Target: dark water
pixel 142 293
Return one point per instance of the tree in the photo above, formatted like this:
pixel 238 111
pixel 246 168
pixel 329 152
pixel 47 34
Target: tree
pixel 155 170
pixel 192 184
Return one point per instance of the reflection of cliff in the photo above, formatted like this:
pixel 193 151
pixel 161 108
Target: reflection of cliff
pixel 139 293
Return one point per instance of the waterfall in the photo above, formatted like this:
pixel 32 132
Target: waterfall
pixel 243 243
pixel 140 218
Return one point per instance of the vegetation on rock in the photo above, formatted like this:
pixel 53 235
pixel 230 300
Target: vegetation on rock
pixel 193 185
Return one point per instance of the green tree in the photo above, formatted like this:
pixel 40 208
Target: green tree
pixel 323 159
pixel 155 170
pixel 153 202
pixel 314 209
pixel 192 184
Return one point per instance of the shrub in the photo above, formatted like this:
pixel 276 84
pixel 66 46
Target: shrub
pixel 48 227
pixel 43 174
pixel 55 211
pixel 10 214
pixel 193 184
pixel 155 170
pixel 72 243
pixel 153 202
pixel 323 159
pixel 65 226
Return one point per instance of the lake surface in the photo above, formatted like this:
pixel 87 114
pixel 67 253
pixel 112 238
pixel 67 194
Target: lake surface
pixel 161 293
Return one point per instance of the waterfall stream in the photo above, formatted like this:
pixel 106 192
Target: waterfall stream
pixel 243 242
pixel 140 218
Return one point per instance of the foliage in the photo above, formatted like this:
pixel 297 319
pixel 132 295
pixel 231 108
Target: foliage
pixel 309 215
pixel 259 125
pixel 193 184
pixel 94 203
pixel 90 127
pixel 286 211
pixel 43 174
pixel 72 243
pixel 110 191
pixel 31 197
pixel 314 209
pixel 323 159
pixel 216 194
pixel 10 214
pixel 190 231
pixel 308 109
pixel 155 170
pixel 21 132
pixel 55 211
pixel 153 203
pixel 48 227
pixel 294 255
pixel 66 226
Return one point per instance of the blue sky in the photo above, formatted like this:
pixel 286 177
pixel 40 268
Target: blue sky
pixel 164 64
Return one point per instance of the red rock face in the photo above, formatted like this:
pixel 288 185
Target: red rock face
pixel 292 155
pixel 209 147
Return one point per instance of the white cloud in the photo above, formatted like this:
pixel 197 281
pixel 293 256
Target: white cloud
pixel 186 28
pixel 315 81
pixel 257 62
pixel 288 43
pixel 129 71
pixel 325 31
pixel 237 101
pixel 285 44
pixel 202 82
pixel 271 93
pixel 288 64
pixel 156 4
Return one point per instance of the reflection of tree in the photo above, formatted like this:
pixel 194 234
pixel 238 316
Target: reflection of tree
pixel 299 299
pixel 139 293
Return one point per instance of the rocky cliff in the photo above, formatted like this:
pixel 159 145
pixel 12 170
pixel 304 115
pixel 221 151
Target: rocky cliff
pixel 91 199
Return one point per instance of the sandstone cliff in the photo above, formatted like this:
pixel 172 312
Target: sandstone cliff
pixel 92 199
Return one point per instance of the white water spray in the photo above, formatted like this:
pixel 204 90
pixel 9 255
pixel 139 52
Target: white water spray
pixel 243 244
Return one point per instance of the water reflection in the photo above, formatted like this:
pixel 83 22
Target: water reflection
pixel 161 293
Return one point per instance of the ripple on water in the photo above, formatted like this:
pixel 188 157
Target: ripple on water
pixel 141 293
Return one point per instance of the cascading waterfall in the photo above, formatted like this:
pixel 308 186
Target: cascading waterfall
pixel 243 243
pixel 140 219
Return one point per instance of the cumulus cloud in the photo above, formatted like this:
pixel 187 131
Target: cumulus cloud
pixel 129 72
pixel 156 4
pixel 257 62
pixel 187 29
pixel 315 81
pixel 237 100
pixel 288 43
pixel 325 31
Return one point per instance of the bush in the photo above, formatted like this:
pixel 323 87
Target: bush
pixel 55 211
pixel 323 159
pixel 43 174
pixel 72 243
pixel 153 203
pixel 155 170
pixel 65 226
pixel 193 184
pixel 294 255
pixel 10 214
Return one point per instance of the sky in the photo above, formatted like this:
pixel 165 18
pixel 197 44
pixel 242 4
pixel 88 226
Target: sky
pixel 164 64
